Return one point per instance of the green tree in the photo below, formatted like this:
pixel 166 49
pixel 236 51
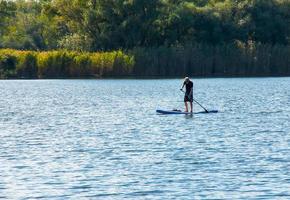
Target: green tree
pixel 7 11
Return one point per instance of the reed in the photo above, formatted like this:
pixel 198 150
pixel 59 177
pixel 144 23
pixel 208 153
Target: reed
pixel 237 59
pixel 63 64
pixel 213 61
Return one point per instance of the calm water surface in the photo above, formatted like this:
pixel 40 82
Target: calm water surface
pixel 101 139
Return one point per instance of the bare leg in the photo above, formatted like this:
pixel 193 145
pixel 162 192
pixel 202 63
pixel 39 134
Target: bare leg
pixel 191 107
pixel 186 107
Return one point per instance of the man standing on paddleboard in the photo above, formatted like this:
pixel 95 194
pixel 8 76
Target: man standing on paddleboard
pixel 188 97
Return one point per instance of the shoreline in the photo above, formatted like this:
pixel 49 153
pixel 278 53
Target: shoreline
pixel 150 77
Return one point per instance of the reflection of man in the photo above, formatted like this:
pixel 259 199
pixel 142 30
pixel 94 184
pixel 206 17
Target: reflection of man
pixel 188 97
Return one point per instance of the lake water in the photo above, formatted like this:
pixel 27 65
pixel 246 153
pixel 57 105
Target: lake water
pixel 101 139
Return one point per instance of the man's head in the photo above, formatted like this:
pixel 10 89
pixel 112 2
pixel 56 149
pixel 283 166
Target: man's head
pixel 186 79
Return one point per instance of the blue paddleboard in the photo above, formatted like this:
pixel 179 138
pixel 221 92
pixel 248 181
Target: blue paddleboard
pixel 178 112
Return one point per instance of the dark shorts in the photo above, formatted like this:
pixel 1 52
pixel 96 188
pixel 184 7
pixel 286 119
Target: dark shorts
pixel 188 98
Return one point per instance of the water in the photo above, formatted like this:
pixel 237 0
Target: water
pixel 101 139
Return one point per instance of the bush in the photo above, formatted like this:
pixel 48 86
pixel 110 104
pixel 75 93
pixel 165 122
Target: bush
pixel 27 65
pixel 7 64
pixel 54 64
pixel 82 66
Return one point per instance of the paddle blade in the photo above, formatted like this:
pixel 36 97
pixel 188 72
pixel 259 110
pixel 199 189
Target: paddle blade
pixel 213 111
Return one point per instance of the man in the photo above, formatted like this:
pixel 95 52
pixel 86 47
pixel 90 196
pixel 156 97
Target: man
pixel 188 97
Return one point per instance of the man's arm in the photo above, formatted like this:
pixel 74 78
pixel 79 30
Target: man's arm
pixel 182 86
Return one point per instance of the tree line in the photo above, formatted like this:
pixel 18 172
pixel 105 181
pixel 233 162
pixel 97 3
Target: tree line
pixel 202 35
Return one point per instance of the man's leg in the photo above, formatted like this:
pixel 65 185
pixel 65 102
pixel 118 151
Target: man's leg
pixel 186 107
pixel 191 106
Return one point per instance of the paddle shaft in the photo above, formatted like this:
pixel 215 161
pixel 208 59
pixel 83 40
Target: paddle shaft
pixel 196 102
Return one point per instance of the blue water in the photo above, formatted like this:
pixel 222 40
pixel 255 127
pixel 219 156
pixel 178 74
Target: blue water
pixel 101 139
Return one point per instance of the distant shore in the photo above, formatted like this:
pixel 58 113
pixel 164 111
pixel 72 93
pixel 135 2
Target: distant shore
pixel 259 60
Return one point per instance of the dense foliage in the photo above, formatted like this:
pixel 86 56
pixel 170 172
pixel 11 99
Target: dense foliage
pixel 159 37
pixel 92 25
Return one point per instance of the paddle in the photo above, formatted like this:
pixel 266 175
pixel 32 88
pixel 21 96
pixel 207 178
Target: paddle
pixel 196 102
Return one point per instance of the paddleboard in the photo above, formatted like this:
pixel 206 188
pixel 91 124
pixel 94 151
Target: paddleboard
pixel 178 112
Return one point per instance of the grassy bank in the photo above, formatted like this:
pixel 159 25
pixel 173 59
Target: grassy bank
pixel 199 60
pixel 63 64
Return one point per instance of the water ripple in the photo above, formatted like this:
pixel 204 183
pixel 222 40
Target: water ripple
pixel 101 139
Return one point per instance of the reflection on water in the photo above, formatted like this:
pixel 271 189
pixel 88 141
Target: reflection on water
pixel 63 139
pixel 189 116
